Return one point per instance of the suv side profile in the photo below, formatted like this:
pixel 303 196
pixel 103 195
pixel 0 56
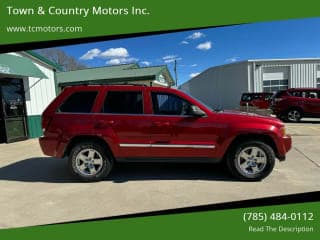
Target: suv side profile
pixel 98 125
pixel 296 103
pixel 260 100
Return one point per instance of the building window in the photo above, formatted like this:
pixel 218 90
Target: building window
pixel 318 82
pixel 275 85
pixel 123 103
pixel 162 79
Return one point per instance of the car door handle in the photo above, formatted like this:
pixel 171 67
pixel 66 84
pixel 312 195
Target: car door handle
pixel 103 124
pixel 161 124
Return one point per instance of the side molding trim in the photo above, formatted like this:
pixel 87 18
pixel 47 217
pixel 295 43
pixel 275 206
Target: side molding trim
pixel 168 145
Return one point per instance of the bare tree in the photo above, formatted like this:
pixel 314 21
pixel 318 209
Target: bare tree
pixel 60 57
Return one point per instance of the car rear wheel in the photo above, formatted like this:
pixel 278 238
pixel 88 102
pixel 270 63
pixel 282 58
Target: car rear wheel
pixel 251 161
pixel 90 162
pixel 294 115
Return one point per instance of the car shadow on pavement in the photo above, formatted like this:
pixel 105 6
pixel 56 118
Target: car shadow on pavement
pixel 169 171
pixel 52 170
pixel 40 169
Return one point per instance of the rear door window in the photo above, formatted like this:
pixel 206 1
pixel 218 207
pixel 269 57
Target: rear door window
pixel 79 102
pixel 120 102
pixel 296 94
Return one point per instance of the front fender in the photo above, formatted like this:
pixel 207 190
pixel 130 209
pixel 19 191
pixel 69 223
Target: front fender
pixel 258 131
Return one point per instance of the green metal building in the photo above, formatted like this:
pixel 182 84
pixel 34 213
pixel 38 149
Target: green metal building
pixel 119 74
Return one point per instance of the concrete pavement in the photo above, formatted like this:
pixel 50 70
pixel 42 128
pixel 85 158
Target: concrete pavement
pixel 35 189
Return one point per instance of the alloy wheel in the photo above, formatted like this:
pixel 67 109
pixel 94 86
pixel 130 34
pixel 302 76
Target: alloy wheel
pixel 252 160
pixel 294 115
pixel 89 162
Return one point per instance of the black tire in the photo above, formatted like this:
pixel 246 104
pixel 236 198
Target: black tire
pixel 233 161
pixel 294 115
pixel 280 116
pixel 100 153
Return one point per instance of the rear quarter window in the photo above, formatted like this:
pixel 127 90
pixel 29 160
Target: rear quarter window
pixel 79 102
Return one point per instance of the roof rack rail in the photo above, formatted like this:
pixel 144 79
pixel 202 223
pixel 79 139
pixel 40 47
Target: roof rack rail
pixel 112 84
pixel 134 84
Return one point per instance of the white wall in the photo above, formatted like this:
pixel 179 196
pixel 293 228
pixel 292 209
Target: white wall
pixel 220 87
pixel 39 92
pixel 302 73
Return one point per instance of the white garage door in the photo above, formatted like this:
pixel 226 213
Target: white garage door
pixel 275 78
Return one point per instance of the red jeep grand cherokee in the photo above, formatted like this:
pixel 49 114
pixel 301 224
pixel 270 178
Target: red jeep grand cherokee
pixel 295 103
pixel 96 126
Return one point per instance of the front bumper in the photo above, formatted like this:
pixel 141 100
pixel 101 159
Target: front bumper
pixel 286 146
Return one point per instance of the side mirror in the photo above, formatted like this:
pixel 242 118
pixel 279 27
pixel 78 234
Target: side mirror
pixel 196 111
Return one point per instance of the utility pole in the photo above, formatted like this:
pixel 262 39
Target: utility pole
pixel 175 72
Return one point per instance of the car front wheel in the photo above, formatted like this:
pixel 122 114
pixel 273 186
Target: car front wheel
pixel 90 162
pixel 251 161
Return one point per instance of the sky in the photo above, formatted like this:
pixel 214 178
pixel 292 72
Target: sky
pixel 198 50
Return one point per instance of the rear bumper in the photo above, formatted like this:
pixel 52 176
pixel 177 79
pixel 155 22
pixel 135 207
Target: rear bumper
pixel 48 146
pixel 285 147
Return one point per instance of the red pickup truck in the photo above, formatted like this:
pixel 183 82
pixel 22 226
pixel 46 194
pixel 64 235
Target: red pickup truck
pixel 296 103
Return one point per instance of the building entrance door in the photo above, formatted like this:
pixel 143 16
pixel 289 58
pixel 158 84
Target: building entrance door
pixel 12 110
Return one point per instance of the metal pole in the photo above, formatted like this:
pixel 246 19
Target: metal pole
pixel 175 72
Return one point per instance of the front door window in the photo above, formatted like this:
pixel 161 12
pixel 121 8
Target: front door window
pixel 169 104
